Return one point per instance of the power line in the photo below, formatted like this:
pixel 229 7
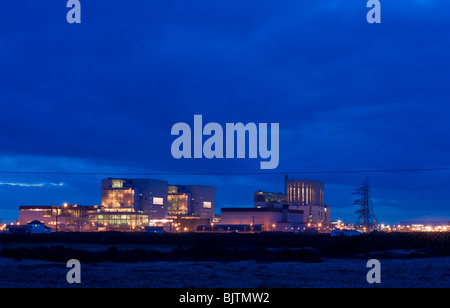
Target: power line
pixel 227 173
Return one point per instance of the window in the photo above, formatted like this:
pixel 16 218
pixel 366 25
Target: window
pixel 158 201
pixel 206 205
pixel 117 184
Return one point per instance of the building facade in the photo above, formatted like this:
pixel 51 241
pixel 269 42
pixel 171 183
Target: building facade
pixel 133 204
pixel 66 217
pixel 271 219
pixel 191 200
pixel 118 221
pixel 304 192
pixel 309 196
pixel 135 195
pixel 45 213
pixel 264 199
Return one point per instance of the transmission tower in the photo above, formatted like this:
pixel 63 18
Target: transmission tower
pixel 366 217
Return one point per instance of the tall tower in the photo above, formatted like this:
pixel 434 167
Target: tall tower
pixel 308 196
pixel 366 216
pixel 304 192
pixel 286 182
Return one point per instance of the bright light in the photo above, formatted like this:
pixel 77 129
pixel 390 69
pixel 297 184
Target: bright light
pixel 158 201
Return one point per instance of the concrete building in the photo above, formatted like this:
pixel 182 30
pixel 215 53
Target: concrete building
pixel 133 204
pixel 271 219
pixel 318 215
pixel 45 213
pixel 304 192
pixel 269 200
pixel 179 203
pixel 190 201
pixel 308 195
pixel 135 195
pixel 129 204
pixel 301 206
pixel 230 228
pixel 118 221
pixel 66 217
pixel 188 224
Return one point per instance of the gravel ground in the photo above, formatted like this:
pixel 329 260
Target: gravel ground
pixel 346 273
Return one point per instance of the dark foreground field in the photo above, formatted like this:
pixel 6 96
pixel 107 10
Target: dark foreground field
pixel 224 260
pixel 331 273
pixel 223 247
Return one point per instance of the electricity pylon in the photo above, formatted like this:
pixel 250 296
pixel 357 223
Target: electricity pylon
pixel 366 216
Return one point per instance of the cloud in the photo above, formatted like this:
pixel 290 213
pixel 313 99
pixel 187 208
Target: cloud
pixel 31 184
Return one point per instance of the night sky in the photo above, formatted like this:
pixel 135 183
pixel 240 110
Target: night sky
pixel 103 95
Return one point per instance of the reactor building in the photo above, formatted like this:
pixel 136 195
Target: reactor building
pixel 300 206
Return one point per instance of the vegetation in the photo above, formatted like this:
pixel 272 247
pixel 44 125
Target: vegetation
pixel 225 247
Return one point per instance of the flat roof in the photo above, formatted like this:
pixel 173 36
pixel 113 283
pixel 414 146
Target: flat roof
pixel 230 225
pixel 26 207
pixel 269 192
pixel 254 209
pixel 118 213
pixel 48 207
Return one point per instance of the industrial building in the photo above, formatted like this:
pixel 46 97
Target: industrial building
pixel 45 213
pixel 190 200
pixel 271 219
pixel 230 228
pixel 135 195
pixel 269 199
pixel 137 204
pixel 301 205
pixel 304 192
pixel 129 204
pixel 133 204
pixel 189 206
pixel 309 196
pixel 66 217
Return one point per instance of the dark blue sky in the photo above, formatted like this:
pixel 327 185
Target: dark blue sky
pixel 102 96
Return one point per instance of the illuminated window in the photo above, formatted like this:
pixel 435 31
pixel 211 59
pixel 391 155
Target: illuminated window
pixel 206 204
pixel 178 204
pixel 117 184
pixel 158 201
pixel 118 200
pixel 172 189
